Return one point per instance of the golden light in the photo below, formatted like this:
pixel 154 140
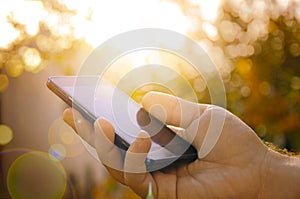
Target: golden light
pixel 199 84
pixel 294 49
pixel 29 13
pixel 14 67
pixel 210 30
pixel 63 141
pixel 295 83
pixel 104 23
pixel 229 30
pixel 95 21
pixel 265 88
pixel 244 65
pixel 74 5
pixel 209 10
pixel 233 32
pixel 44 43
pixel 35 175
pixel 245 91
pixel 31 58
pixel 3 82
pixel 9 35
pixel 6 134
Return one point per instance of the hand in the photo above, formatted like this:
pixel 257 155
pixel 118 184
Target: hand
pixel 238 165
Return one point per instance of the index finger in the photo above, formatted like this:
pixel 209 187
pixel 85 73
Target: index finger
pixel 172 110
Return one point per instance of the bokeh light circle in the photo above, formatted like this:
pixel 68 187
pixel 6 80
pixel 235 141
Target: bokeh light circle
pixel 57 152
pixel 6 134
pixel 64 142
pixel 14 68
pixel 35 175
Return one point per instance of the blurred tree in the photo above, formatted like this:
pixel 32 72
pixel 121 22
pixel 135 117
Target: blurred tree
pixel 261 41
pixel 36 34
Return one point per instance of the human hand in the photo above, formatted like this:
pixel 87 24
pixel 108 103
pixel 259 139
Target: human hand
pixel 236 167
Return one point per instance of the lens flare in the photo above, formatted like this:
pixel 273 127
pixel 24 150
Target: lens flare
pixel 34 175
pixel 57 152
pixel 63 141
pixel 67 137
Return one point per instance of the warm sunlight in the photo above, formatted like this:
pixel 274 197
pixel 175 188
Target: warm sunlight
pixel 94 20
pixel 210 10
pixel 247 61
pixel 108 19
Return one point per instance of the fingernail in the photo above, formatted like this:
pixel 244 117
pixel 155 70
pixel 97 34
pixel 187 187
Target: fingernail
pixel 143 135
pixel 97 124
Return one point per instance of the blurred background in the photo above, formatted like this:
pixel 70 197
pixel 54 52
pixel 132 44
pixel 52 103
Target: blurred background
pixel 254 44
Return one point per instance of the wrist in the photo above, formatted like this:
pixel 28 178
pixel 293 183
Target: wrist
pixel 280 176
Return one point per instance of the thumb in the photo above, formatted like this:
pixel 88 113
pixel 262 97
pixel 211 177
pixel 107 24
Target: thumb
pixel 137 154
pixel 135 171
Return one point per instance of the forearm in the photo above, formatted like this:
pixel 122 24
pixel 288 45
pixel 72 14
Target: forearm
pixel 280 176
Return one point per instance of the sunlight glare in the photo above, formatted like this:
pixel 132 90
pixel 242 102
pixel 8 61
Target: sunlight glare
pixel 113 17
pixel 9 35
pixel 29 13
pixel 209 10
pixel 210 30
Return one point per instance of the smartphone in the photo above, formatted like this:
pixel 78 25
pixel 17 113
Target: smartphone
pixel 96 97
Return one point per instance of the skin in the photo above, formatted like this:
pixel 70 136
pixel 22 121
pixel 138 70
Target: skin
pixel 238 166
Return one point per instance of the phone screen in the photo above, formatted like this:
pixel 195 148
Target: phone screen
pixel 96 98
